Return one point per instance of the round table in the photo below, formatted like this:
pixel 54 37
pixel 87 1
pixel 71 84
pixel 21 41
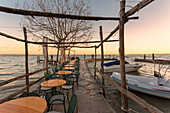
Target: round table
pixel 69 68
pixel 64 72
pixel 69 65
pixel 25 104
pixel 53 83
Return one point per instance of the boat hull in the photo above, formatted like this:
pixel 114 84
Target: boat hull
pixel 149 85
pixel 128 68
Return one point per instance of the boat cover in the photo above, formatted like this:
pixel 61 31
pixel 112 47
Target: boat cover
pixel 117 62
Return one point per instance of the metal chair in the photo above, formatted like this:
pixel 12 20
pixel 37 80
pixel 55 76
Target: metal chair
pixel 72 105
pixel 56 98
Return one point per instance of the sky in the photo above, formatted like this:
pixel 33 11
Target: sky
pixel 149 34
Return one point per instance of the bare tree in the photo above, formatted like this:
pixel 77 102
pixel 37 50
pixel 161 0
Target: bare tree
pixel 60 30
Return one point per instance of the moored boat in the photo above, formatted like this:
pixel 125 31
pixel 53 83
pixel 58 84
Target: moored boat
pixel 150 85
pixel 115 66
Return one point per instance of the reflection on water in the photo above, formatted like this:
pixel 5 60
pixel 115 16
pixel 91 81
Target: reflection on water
pixel 147 70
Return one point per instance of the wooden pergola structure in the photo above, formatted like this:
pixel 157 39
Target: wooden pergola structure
pixel 124 17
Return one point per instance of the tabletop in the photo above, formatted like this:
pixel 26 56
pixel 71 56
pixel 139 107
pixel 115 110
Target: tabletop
pixel 24 105
pixel 53 83
pixel 64 72
pixel 69 68
pixel 69 65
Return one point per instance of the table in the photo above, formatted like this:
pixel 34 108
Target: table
pixel 24 105
pixel 69 65
pixel 64 72
pixel 53 83
pixel 69 68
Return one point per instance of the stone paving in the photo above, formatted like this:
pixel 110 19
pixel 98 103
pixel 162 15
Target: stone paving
pixel 90 100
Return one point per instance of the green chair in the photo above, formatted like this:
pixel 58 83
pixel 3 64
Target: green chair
pixel 56 98
pixel 72 105
pixel 48 75
pixel 69 85
pixel 25 94
pixel 74 78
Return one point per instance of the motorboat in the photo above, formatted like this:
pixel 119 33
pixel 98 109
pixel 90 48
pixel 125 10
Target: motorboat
pixel 157 86
pixel 115 66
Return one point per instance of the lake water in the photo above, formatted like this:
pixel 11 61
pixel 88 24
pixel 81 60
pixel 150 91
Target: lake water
pixel 14 65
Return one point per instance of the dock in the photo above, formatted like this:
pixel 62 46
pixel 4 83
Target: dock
pixel 90 100
pixel 157 61
pixel 99 59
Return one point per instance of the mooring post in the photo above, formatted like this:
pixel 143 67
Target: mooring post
pixel 122 55
pixel 144 56
pixel 26 57
pixel 95 63
pixel 153 57
pixel 102 60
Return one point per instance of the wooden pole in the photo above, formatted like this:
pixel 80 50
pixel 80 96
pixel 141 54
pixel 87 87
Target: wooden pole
pixel 124 99
pixel 102 60
pixel 57 56
pixel 46 54
pixel 153 57
pixel 144 56
pixel 26 58
pixel 95 62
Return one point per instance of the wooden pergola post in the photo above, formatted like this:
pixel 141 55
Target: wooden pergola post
pixel 124 98
pixel 57 56
pixel 26 58
pixel 47 54
pixel 95 62
pixel 102 60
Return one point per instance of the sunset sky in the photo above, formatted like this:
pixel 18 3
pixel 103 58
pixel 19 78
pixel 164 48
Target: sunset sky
pixel 149 34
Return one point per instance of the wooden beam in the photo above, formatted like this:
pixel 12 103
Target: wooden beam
pixel 57 56
pixel 124 99
pixel 55 15
pixel 102 59
pixel 26 58
pixel 20 91
pixel 95 49
pixel 31 42
pixel 21 76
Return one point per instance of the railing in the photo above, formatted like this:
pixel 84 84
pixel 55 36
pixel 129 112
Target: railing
pixel 130 95
pixel 23 89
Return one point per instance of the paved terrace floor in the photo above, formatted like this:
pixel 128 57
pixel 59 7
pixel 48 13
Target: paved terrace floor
pixel 89 99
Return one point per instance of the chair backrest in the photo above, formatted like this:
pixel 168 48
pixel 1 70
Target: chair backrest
pixel 72 104
pixel 48 75
pixel 50 94
pixel 28 94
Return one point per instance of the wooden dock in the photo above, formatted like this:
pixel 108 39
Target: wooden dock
pixel 157 61
pixel 99 59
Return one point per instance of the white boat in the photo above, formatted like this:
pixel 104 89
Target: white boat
pixel 150 85
pixel 115 67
